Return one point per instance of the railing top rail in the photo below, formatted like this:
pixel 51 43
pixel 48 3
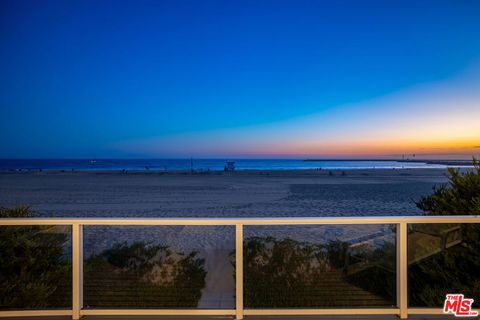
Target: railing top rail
pixel 242 221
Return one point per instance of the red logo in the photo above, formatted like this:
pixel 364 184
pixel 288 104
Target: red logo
pixel 459 306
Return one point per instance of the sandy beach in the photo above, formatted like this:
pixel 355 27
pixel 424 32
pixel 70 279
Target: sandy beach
pixel 219 194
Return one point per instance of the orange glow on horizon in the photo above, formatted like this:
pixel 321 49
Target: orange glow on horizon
pixel 370 148
pixel 437 120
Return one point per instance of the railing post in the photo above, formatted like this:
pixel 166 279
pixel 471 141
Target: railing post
pixel 402 268
pixel 77 270
pixel 239 270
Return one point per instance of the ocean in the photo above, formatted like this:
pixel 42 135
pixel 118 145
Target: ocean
pixel 206 164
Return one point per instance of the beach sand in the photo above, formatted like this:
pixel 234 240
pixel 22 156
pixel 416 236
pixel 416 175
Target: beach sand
pixel 219 194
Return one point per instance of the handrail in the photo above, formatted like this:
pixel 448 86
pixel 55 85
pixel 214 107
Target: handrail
pixel 402 309
pixel 243 221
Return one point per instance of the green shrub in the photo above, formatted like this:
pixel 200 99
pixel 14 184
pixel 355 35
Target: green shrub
pixel 143 276
pixel 461 196
pixel 279 273
pixel 456 269
pixel 292 274
pixel 137 257
pixel 32 271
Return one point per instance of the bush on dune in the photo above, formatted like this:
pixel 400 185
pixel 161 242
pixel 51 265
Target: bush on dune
pixel 140 275
pixel 281 273
pixel 285 273
pixel 32 271
pixel 35 275
pixel 461 196
pixel 457 269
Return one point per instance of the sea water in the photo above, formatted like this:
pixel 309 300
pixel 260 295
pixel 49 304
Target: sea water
pixel 206 164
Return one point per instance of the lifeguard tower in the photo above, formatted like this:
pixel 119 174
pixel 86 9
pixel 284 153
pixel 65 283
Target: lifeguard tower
pixel 229 166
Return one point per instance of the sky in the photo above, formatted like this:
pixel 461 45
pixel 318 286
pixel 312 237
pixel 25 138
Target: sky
pixel 245 79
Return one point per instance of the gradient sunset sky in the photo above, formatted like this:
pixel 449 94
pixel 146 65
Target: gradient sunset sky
pixel 244 79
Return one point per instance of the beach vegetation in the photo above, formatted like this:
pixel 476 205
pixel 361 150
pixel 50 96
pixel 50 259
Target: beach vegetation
pixel 285 273
pixel 455 268
pixel 141 275
pixel 137 257
pixel 35 272
pixel 461 196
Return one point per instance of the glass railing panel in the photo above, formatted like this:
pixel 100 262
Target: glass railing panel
pixel 157 267
pixel 35 267
pixel 338 266
pixel 442 259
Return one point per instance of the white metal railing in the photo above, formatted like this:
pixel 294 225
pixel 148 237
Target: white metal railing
pixel 402 309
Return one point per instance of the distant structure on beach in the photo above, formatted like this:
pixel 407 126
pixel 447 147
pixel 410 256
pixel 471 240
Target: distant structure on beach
pixel 408 158
pixel 229 166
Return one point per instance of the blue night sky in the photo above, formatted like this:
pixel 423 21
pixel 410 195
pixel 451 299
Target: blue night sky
pixel 263 78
